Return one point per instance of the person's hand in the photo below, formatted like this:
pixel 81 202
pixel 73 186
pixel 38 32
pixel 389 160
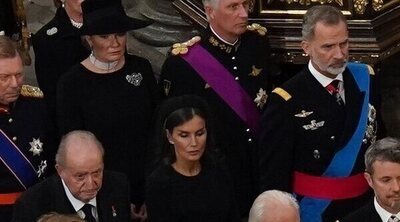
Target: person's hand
pixel 138 214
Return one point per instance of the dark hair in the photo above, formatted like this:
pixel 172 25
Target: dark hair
pixel 328 15
pixel 175 112
pixel 386 149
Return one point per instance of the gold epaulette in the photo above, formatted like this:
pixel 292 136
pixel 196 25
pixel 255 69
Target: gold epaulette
pixel 281 92
pixel 31 91
pixel 255 27
pixel 183 48
pixel 370 70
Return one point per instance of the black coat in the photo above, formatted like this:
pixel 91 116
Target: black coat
pixel 49 196
pixel 232 136
pixel 26 121
pixel 285 146
pixel 119 113
pixel 57 46
pixel 367 213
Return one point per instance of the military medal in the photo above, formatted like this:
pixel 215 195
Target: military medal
pixel 255 71
pixel 114 212
pixel 134 78
pixel 261 98
pixel 303 114
pixel 314 125
pixel 36 147
pixel 42 167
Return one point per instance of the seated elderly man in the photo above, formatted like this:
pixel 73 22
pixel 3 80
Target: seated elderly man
pixel 274 206
pixel 80 187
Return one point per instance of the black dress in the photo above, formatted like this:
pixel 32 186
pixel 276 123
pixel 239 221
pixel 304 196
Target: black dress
pixel 208 196
pixel 119 113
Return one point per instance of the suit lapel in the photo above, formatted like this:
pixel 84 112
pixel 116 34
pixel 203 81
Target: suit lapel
pixel 62 204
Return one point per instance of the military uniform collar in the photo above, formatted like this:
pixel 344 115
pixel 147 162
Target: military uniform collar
pixel 217 42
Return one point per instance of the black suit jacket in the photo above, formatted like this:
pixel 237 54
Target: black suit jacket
pixel 367 213
pixel 285 146
pixel 49 196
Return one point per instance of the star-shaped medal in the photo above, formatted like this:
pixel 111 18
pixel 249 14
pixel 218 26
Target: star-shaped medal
pixel 36 147
pixel 261 98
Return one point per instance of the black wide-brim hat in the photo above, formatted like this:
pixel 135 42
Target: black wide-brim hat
pixel 102 17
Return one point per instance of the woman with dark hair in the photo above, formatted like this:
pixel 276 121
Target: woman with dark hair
pixel 190 183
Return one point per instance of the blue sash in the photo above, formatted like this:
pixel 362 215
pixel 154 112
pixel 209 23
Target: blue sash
pixel 343 162
pixel 16 161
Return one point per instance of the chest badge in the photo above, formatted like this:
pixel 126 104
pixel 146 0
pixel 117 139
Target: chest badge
pixel 36 146
pixel 261 98
pixel 314 125
pixel 303 114
pixel 134 78
pixel 255 71
pixel 42 168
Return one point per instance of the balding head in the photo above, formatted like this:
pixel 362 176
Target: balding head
pixel 274 206
pixel 79 162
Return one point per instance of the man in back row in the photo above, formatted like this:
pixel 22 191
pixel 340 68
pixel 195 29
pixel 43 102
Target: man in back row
pixel 317 126
pixel 229 67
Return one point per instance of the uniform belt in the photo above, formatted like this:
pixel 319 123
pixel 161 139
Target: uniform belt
pixel 9 198
pixel 332 188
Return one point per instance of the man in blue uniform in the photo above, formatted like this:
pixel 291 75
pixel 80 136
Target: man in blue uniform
pixel 317 126
pixel 228 66
pixel 24 133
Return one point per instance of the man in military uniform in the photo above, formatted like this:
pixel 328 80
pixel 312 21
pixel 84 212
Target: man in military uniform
pixel 58 46
pixel 24 140
pixel 317 126
pixel 228 66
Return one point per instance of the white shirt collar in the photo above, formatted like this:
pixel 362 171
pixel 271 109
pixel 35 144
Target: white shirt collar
pixel 321 78
pixel 78 204
pixel 384 214
pixel 220 38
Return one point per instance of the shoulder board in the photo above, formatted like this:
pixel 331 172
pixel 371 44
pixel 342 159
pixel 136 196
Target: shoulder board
pixel 282 93
pixel 255 27
pixel 370 70
pixel 31 91
pixel 183 48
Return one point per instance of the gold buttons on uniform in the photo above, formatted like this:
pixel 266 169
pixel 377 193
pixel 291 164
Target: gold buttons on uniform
pixel 235 68
pixel 233 57
pixel 236 78
pixel 14 138
pixel 10 120
pixel 332 137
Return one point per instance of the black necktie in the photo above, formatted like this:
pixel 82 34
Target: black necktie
pixel 87 209
pixel 333 89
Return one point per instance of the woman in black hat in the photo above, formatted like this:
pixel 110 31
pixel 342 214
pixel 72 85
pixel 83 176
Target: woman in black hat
pixel 189 182
pixel 111 93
